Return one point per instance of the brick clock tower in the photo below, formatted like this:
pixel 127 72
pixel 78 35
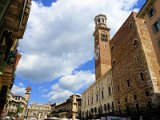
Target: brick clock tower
pixel 101 46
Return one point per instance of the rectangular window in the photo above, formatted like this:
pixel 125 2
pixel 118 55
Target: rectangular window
pixel 151 12
pixel 119 111
pixel 91 110
pixel 128 83
pixel 99 110
pixel 128 109
pixel 108 107
pixel 112 105
pixel 109 90
pixel 147 93
pixel 149 105
pixel 137 107
pixel 97 97
pixel 156 26
pixel 95 109
pixel 87 113
pixel 118 87
pixel 105 107
pixel 141 75
pixel 135 97
pixel 102 95
pixel 126 99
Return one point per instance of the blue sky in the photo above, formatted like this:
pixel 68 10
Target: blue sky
pixel 46 2
pixel 49 2
pixel 49 69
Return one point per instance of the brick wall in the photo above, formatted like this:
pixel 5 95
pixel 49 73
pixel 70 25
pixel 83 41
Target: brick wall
pixel 132 80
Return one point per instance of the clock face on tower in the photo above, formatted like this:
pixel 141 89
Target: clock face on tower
pixel 97 54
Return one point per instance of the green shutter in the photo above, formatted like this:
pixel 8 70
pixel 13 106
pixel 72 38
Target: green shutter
pixel 3 8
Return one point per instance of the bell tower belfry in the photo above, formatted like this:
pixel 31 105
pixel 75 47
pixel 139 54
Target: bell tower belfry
pixel 27 93
pixel 101 46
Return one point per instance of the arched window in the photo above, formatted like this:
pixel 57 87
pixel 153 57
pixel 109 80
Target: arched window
pixel 113 61
pixel 103 20
pixel 135 42
pixel 131 25
pixel 99 20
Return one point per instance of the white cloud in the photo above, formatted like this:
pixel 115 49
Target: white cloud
pixel 70 84
pixel 77 81
pixel 57 94
pixel 19 90
pixel 21 84
pixel 59 38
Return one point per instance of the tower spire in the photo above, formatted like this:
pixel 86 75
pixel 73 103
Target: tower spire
pixel 101 46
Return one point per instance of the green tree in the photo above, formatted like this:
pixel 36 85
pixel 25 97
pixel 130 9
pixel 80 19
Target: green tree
pixel 20 109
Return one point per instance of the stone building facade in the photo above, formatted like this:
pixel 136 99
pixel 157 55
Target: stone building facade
pixel 16 105
pixel 127 69
pixel 65 109
pixel 151 13
pixel 13 20
pixel 62 110
pixel 38 111
pixel 97 100
pixel 135 69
